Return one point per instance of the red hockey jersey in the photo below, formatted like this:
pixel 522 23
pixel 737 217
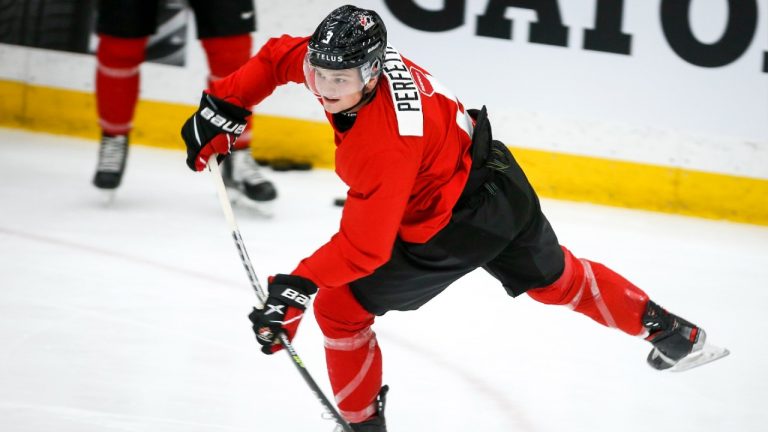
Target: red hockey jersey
pixel 405 159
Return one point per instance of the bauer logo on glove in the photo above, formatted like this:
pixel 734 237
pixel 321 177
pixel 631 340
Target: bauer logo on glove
pixel 221 122
pixel 294 295
pixel 288 298
pixel 213 129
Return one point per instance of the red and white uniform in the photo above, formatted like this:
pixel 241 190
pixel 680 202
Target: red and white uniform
pixel 399 184
pixel 406 161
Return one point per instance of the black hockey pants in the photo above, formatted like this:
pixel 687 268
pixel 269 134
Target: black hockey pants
pixel 497 224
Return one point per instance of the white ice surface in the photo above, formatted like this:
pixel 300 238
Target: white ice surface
pixel 132 318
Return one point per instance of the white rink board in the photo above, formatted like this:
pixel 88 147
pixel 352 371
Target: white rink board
pixel 650 106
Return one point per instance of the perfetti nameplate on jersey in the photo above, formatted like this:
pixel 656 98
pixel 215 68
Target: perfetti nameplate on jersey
pixel 405 94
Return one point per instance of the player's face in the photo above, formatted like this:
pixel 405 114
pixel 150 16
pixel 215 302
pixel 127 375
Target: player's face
pixel 339 90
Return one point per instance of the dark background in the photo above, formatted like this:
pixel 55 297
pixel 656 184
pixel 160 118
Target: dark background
pixel 67 25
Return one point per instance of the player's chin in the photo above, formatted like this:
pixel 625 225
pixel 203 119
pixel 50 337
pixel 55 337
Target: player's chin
pixel 333 106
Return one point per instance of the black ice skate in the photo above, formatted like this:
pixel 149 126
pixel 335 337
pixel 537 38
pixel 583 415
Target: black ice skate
pixel 377 423
pixel 678 345
pixel 246 183
pixel 113 152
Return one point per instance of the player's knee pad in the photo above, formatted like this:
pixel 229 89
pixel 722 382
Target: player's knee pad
pixel 121 55
pixel 566 288
pixel 338 313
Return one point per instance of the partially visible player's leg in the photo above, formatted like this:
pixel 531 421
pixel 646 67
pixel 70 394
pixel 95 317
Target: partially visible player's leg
pixel 352 352
pixel 535 263
pixel 414 274
pixel 225 55
pixel 117 91
pixel 224 29
pixel 605 296
pixel 598 292
pixel 123 28
pixel 242 175
pixel 117 81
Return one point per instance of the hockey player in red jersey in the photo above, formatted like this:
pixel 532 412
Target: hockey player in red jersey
pixel 431 197
pixel 124 27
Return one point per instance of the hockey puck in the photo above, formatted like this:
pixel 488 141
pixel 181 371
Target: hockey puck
pixel 290 165
pixel 339 202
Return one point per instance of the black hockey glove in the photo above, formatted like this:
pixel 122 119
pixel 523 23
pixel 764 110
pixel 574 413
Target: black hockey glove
pixel 212 129
pixel 288 298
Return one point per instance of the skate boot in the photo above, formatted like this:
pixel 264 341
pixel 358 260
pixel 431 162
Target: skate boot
pixel 246 183
pixel 673 338
pixel 377 423
pixel 113 152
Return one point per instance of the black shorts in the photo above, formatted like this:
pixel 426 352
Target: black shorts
pixel 139 18
pixel 497 225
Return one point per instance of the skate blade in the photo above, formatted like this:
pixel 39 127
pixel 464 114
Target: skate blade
pixel 707 354
pixel 107 197
pixel 262 209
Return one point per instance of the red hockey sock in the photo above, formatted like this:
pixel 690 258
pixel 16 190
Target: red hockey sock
pixel 351 351
pixel 117 81
pixel 598 292
pixel 225 55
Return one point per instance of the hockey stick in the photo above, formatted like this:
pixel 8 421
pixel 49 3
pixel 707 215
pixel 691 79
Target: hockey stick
pixel 261 295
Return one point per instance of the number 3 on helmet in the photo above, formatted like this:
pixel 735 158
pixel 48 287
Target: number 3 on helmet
pixel 345 52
